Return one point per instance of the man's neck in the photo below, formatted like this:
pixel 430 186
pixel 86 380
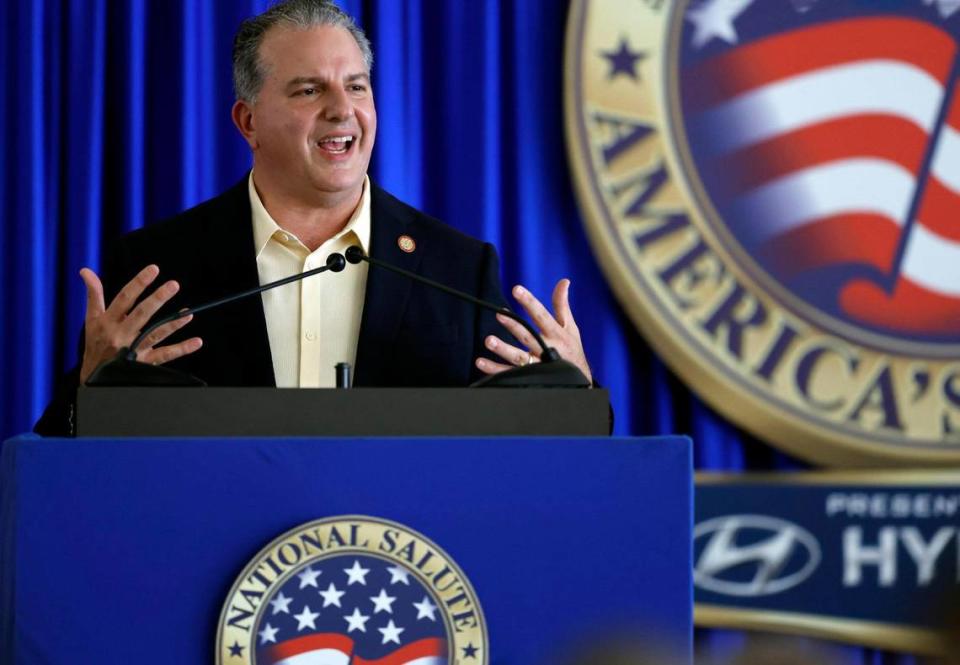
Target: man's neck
pixel 313 222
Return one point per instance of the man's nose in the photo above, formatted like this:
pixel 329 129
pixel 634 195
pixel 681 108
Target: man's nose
pixel 339 107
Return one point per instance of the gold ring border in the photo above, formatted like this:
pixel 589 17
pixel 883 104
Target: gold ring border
pixel 244 573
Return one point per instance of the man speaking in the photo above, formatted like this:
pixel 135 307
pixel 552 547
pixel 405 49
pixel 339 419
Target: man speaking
pixel 305 107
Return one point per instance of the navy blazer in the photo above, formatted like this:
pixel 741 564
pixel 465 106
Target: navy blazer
pixel 410 334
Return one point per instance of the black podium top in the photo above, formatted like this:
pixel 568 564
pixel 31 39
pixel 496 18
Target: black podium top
pixel 342 412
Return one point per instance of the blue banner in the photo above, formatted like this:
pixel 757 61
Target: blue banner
pixel 868 558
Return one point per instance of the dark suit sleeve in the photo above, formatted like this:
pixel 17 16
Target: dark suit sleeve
pixel 59 417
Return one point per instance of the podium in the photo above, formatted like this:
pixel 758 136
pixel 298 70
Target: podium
pixel 118 550
pixel 355 412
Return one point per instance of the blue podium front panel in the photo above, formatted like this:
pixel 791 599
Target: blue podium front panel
pixel 119 551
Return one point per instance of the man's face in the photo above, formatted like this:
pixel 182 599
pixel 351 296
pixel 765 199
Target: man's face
pixel 313 122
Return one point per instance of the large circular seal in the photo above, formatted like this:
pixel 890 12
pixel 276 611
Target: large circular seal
pixel 352 589
pixel 772 189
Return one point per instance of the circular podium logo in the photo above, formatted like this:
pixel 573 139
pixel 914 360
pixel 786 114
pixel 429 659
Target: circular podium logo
pixel 772 190
pixel 351 589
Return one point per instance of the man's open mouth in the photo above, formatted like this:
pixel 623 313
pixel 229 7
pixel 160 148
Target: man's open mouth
pixel 337 145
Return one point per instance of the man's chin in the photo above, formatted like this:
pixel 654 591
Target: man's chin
pixel 345 186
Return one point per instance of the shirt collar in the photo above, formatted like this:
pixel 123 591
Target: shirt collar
pixel 265 228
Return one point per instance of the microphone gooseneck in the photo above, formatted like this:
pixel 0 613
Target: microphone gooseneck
pixel 355 254
pixel 335 263
pixel 125 370
pixel 551 371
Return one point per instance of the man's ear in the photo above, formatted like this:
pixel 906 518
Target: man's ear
pixel 242 115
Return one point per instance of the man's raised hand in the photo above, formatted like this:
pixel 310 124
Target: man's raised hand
pixel 559 330
pixel 109 329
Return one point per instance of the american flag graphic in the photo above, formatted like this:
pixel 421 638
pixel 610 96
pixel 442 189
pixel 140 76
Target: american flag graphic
pixel 357 610
pixel 827 137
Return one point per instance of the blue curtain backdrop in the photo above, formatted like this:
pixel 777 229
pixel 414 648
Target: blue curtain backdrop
pixel 115 113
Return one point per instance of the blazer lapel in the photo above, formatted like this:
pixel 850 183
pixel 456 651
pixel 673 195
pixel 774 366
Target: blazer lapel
pixel 241 326
pixel 387 293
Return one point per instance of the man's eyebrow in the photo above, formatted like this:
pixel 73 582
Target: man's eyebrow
pixel 350 78
pixel 304 79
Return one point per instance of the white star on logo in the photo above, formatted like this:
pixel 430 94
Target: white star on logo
pixel 306 619
pixel 309 577
pixel 398 574
pixel 425 609
pixel 382 602
pixel 715 18
pixel 281 603
pixel 356 573
pixel 947 7
pixel 356 621
pixel 803 6
pixel 391 633
pixel 268 634
pixel 332 595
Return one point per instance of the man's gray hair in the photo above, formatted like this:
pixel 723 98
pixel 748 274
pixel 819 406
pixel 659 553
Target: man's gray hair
pixel 248 71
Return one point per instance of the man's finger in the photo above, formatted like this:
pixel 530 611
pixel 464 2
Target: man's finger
pixel 521 334
pixel 165 354
pixel 544 320
pixel 561 302
pixel 128 295
pixel 149 306
pixel 508 352
pixel 489 367
pixel 164 332
pixel 95 303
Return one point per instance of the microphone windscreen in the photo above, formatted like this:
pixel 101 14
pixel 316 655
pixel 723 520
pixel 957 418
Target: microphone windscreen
pixel 354 254
pixel 335 262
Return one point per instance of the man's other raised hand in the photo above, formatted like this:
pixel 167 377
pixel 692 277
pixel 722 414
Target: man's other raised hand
pixel 559 330
pixel 109 329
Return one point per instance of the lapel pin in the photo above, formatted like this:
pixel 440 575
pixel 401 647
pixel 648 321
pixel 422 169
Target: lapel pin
pixel 406 244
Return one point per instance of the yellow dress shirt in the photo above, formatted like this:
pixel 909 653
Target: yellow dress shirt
pixel 315 323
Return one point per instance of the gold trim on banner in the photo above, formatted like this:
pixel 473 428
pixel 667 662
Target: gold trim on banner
pixel 922 641
pixel 913 477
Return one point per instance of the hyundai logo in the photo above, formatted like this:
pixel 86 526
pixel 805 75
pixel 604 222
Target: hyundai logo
pixel 753 555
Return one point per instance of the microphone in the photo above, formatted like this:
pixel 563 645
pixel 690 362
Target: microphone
pixel 551 371
pixel 124 369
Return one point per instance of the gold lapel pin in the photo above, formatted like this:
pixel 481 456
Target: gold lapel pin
pixel 406 244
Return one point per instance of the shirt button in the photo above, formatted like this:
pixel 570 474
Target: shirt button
pixel 311 336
